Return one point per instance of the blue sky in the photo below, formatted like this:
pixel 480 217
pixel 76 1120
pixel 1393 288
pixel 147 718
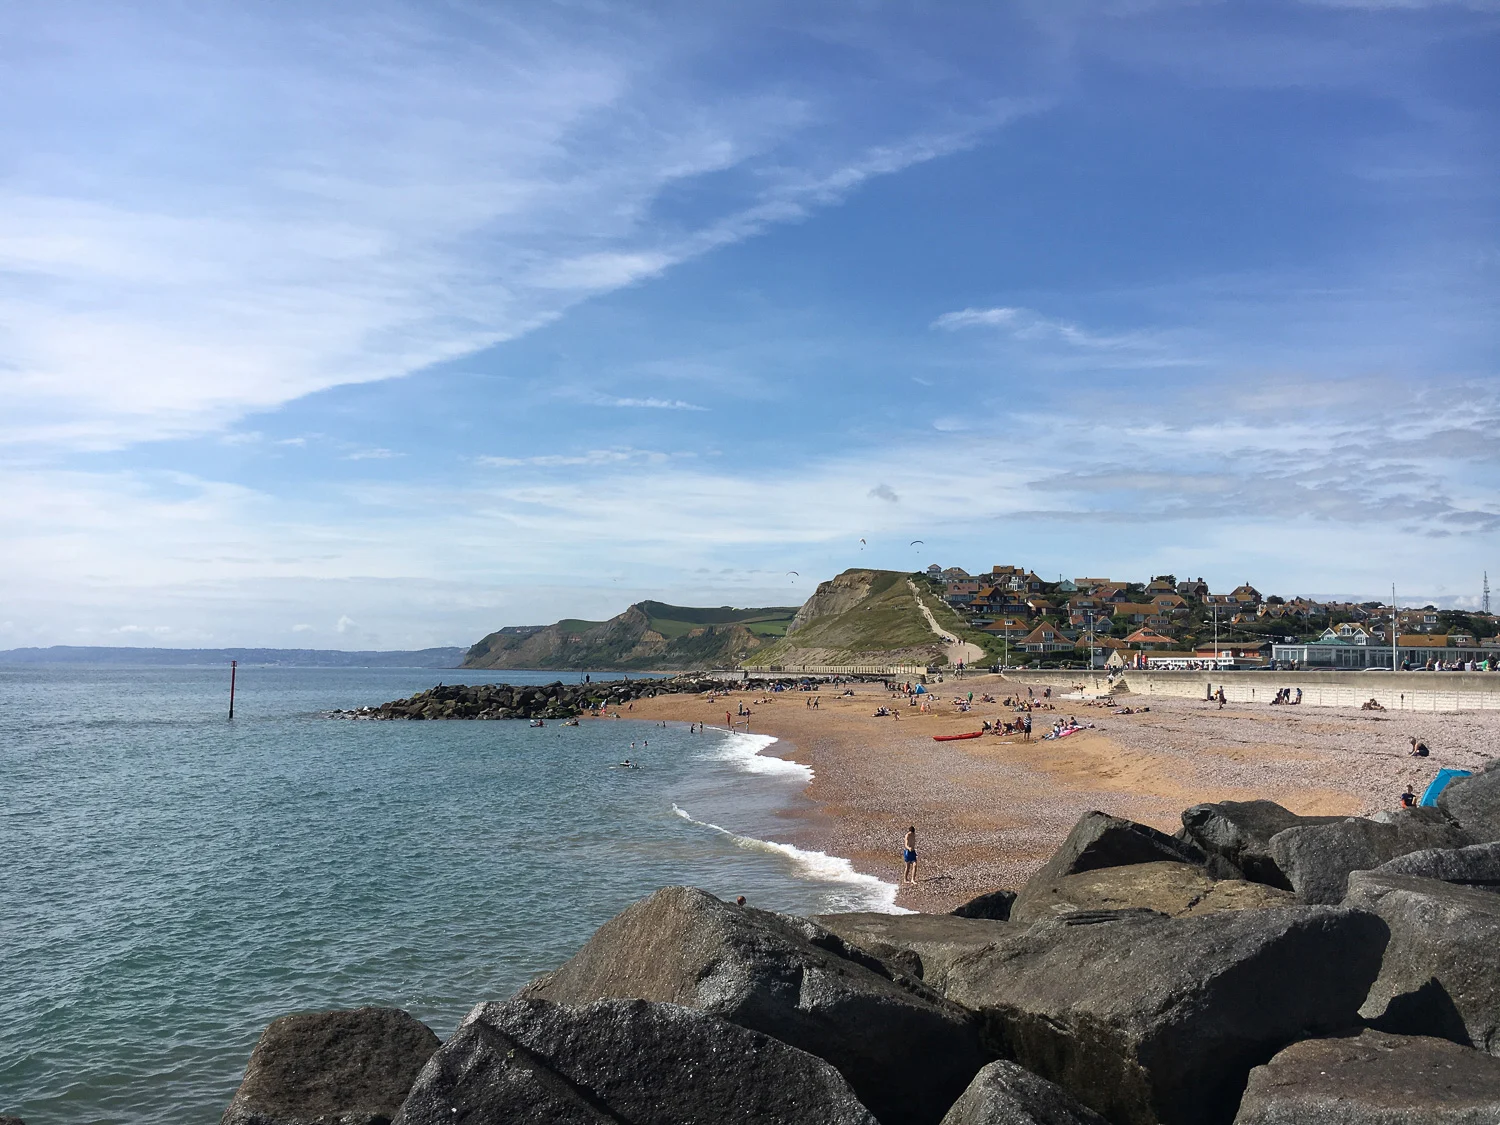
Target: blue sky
pixel 383 324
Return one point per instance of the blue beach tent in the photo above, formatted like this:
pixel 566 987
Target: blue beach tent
pixel 1439 783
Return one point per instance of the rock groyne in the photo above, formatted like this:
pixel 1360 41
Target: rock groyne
pixel 556 700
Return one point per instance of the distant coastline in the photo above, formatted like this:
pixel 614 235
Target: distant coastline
pixel 252 657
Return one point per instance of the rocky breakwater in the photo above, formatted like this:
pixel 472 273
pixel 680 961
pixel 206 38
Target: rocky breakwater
pixel 556 700
pixel 1138 979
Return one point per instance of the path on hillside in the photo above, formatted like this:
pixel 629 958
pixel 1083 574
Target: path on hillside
pixel 959 652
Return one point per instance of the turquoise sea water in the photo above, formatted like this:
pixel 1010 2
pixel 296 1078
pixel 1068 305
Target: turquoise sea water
pixel 171 881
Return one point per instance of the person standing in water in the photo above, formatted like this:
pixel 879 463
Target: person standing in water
pixel 909 854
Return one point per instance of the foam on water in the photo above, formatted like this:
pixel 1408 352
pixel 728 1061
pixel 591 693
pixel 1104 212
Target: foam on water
pixel 866 891
pixel 744 751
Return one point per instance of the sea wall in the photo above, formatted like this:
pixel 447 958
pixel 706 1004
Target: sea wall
pixel 1395 691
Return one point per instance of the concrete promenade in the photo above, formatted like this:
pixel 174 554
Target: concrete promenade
pixel 1395 691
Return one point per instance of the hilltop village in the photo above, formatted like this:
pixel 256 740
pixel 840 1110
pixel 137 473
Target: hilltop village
pixel 1167 622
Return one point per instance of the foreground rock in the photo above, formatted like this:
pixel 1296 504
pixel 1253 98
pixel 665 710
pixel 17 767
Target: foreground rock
pixel 1374 1079
pixel 1099 840
pixel 921 945
pixel 906 1051
pixel 1239 833
pixel 350 1067
pixel 1474 802
pixel 1151 1019
pixel 1440 974
pixel 1317 859
pixel 529 1062
pixel 1166 887
pixel 1006 1094
pixel 994 906
pixel 1474 866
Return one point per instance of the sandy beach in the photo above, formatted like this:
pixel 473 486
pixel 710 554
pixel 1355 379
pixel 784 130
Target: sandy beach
pixel 990 810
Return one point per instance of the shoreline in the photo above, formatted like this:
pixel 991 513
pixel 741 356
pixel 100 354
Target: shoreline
pixel 990 810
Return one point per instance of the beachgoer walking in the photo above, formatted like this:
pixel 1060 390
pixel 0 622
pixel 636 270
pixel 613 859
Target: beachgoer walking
pixel 909 854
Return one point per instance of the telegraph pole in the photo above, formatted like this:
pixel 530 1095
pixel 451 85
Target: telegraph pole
pixel 1395 654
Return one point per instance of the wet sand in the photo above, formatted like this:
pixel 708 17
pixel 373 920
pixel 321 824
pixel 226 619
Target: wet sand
pixel 989 811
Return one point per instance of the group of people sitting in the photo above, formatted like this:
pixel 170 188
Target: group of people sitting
pixel 1371 705
pixel 1002 728
pixel 1290 696
pixel 887 713
pixel 1062 729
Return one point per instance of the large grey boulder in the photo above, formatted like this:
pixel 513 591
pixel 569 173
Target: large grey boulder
pixel 1474 802
pixel 1374 1079
pixel 906 1051
pixel 1166 887
pixel 1151 1019
pixel 994 905
pixel 11 1121
pixel 1239 833
pixel 923 945
pixel 332 1068
pixel 529 1062
pixel 1100 840
pixel 1006 1094
pixel 1441 971
pixel 1318 858
pixel 1475 866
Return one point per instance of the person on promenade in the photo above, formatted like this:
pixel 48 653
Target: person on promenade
pixel 1418 749
pixel 909 854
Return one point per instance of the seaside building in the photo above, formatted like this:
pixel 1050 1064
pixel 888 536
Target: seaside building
pixel 1413 650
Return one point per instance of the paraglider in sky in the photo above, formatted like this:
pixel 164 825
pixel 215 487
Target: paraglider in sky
pixel 794 576
pixel 861 544
pixel 916 542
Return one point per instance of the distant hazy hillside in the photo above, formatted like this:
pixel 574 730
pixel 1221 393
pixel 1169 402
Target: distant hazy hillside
pixel 860 617
pixel 287 657
pixel 648 635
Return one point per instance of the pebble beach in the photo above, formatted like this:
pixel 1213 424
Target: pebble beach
pixel 989 811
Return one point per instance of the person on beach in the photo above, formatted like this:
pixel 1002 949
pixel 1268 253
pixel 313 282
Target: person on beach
pixel 1408 799
pixel 1418 749
pixel 1026 727
pixel 909 854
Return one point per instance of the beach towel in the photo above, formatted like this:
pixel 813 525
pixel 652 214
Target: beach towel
pixel 1439 783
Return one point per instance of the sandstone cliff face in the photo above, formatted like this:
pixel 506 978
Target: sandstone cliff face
pixel 836 596
pixel 629 641
pixel 862 617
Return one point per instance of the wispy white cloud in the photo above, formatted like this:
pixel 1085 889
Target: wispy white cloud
pixel 593 457
pixel 353 207
pixel 594 399
pixel 1026 324
pixel 377 453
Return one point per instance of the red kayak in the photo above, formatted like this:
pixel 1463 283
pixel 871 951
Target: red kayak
pixel 956 737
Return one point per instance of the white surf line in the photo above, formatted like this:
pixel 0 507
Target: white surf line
pixel 875 894
pixel 744 750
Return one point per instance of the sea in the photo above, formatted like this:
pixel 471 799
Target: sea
pixel 172 880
